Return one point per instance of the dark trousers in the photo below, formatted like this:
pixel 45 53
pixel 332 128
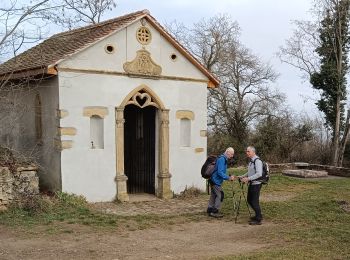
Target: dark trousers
pixel 253 199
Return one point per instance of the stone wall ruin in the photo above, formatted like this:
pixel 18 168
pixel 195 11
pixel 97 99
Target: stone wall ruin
pixel 14 185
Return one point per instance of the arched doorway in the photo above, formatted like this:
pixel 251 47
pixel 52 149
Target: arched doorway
pixel 139 148
pixel 142 104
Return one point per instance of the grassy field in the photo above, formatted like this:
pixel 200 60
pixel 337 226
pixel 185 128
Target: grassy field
pixel 313 222
pixel 310 218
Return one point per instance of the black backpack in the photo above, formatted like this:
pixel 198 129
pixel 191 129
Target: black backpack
pixel 265 173
pixel 208 167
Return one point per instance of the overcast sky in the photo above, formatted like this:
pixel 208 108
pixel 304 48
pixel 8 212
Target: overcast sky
pixel 265 25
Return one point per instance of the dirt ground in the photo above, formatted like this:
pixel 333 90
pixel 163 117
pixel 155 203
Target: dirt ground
pixel 193 240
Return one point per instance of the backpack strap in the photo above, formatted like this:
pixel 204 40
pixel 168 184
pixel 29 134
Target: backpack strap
pixel 254 162
pixel 260 178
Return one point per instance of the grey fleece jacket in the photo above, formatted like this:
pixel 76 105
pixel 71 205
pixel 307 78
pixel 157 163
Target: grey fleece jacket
pixel 254 172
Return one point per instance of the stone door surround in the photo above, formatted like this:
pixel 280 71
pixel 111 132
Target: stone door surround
pixel 143 96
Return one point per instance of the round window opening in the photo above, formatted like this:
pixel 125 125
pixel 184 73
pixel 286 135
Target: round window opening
pixel 109 48
pixel 173 56
pixel 143 35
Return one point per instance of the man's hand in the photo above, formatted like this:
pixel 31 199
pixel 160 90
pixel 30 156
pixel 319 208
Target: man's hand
pixel 245 180
pixel 232 178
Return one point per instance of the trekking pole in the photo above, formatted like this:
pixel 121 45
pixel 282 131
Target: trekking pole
pixel 238 206
pixel 245 198
pixel 233 198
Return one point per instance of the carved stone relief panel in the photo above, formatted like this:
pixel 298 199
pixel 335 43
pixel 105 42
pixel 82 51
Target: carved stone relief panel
pixel 142 65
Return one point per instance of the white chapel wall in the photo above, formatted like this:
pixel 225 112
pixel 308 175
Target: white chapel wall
pixel 91 172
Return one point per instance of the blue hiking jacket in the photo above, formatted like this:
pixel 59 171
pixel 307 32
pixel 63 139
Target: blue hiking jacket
pixel 219 174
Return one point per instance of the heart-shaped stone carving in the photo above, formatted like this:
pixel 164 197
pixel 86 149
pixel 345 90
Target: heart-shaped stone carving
pixel 142 99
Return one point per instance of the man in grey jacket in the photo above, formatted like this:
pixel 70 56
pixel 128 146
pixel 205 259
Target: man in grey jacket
pixel 255 170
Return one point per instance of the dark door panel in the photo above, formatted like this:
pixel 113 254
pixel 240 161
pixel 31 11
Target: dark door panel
pixel 139 148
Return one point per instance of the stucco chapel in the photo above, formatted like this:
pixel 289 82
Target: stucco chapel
pixel 114 109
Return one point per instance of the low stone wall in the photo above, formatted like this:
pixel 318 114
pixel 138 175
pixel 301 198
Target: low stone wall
pixel 13 186
pixel 6 184
pixel 278 168
pixel 305 173
pixel 331 170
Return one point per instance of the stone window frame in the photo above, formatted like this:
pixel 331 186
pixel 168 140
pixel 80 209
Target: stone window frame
pixel 188 115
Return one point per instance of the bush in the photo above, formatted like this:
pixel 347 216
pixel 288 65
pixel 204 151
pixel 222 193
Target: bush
pixel 37 204
pixel 33 204
pixel 70 200
pixel 189 193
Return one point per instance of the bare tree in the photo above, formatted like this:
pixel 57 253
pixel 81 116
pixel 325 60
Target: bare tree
pixel 74 13
pixel 209 39
pixel 23 23
pixel 19 25
pixel 313 47
pixel 299 49
pixel 245 93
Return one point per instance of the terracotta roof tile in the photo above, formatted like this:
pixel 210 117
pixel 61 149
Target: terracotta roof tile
pixel 63 44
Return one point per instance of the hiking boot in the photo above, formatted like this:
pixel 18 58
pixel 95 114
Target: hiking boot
pixel 215 215
pixel 209 210
pixel 255 222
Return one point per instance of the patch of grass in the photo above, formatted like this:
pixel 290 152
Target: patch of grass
pixel 311 225
pixel 55 213
pixel 62 207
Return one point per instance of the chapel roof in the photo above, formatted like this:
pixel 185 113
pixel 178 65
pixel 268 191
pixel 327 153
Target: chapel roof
pixel 42 58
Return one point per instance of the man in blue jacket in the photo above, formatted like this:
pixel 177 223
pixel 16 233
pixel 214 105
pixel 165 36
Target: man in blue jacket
pixel 216 180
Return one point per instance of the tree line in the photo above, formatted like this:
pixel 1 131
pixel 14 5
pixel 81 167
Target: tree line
pixel 246 110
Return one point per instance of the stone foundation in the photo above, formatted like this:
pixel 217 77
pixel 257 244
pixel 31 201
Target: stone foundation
pixel 331 170
pixel 13 186
pixel 305 173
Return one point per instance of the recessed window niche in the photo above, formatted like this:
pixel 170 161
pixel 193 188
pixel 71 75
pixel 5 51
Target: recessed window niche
pixel 97 115
pixel 185 132
pixel 185 117
pixel 96 132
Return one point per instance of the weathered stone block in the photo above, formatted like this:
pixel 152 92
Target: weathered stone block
pixel 305 173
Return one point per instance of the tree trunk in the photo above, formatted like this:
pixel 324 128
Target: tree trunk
pixel 336 134
pixel 344 140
